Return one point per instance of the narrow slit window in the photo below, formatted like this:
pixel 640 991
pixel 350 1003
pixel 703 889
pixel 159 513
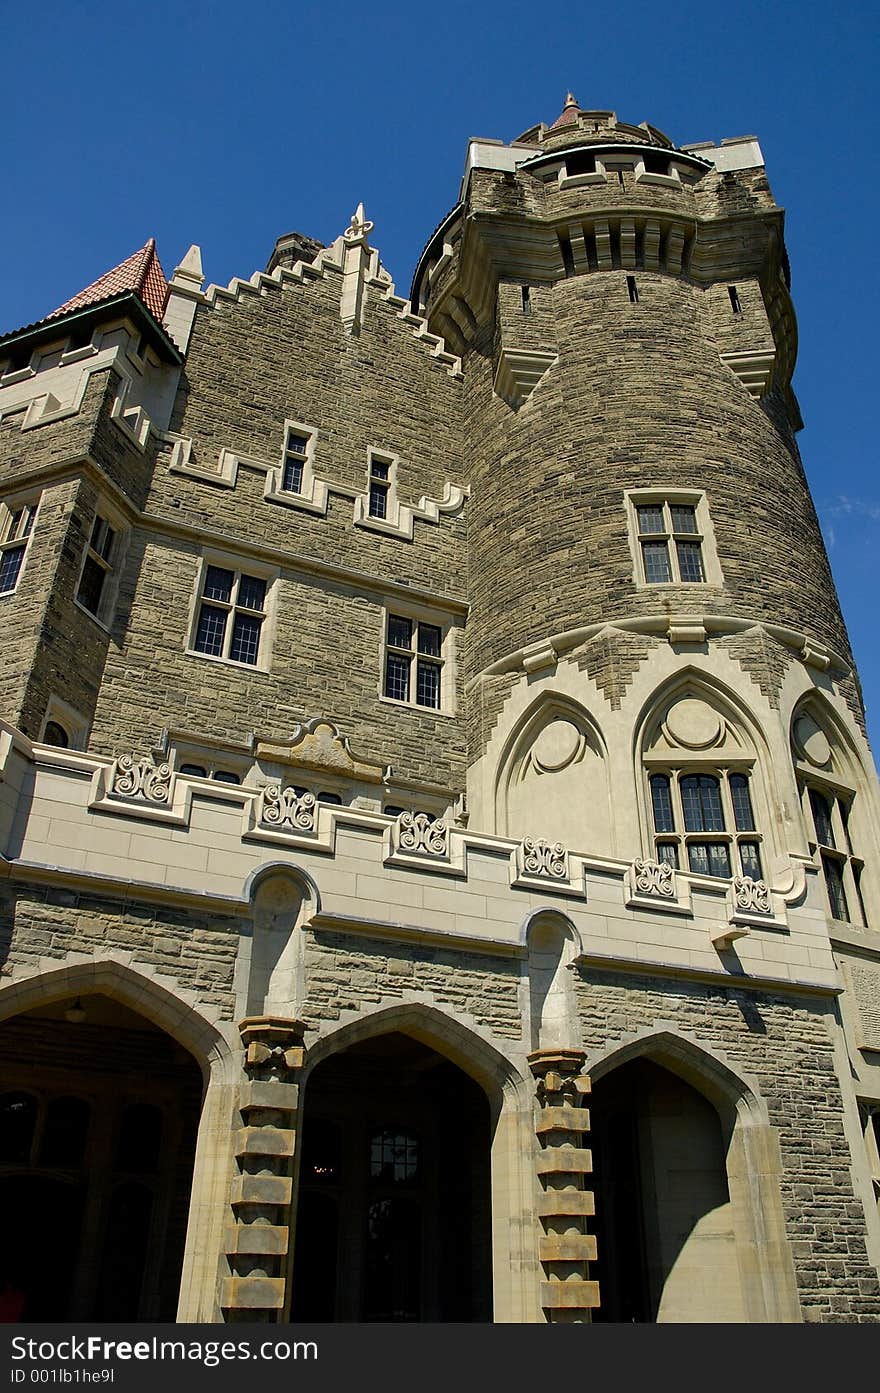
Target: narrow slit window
pixel 295 450
pixel 633 290
pixel 97 571
pixel 735 302
pixel 526 300
pixel 380 487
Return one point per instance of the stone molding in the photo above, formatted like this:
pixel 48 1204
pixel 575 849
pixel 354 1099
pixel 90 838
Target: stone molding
pixel 519 372
pixel 316 498
pixel 319 745
pixel 754 370
pixel 691 628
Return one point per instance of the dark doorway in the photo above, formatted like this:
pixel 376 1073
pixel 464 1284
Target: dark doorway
pixel 666 1245
pixel 394 1211
pixel 98 1117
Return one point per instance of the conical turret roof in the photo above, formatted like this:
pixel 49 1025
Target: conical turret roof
pixel 140 272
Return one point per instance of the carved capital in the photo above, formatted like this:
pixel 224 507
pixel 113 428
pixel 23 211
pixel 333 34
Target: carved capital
pixel 558 1077
pixel 273 1047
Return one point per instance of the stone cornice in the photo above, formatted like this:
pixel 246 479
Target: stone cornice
pixel 646 967
pixel 85 465
pixel 546 651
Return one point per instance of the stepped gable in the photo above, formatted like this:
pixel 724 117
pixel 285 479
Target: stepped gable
pixel 140 272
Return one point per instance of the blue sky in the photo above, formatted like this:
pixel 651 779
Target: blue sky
pixel 228 124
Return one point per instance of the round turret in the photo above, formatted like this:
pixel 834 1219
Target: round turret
pixel 628 340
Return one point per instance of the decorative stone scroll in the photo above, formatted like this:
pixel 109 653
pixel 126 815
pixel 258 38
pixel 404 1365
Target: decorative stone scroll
pixel 419 835
pixel 258 1242
pixel 564 1205
pixel 751 896
pixel 654 878
pixel 539 857
pixel 133 776
pixel 284 807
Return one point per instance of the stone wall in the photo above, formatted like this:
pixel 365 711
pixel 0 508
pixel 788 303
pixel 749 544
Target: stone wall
pixel 345 974
pixel 197 949
pixel 785 1045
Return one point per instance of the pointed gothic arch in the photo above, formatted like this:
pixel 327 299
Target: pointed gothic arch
pixel 87 1029
pixel 475 1123
pixel 705 780
pixel 838 809
pixel 552 777
pixel 686 1131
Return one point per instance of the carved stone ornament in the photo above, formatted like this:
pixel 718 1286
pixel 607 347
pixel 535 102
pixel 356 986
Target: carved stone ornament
pixel 319 745
pixel 751 896
pixel 654 878
pixel 359 228
pixel 284 807
pixel 417 833
pixel 134 777
pixel 544 858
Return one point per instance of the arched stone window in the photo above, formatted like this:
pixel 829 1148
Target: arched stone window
pixel 834 816
pixel 703 796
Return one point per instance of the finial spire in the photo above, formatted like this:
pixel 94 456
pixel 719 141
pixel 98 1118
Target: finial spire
pixel 359 228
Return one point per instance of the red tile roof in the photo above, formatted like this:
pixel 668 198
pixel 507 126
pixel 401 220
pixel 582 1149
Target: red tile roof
pixel 141 273
pixel 568 114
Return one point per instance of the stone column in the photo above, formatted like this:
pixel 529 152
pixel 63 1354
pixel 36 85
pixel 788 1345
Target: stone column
pixel 564 1206
pixel 258 1241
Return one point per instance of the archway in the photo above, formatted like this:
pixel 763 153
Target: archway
pixel 394 1212
pixel 667 1248
pixel 99 1111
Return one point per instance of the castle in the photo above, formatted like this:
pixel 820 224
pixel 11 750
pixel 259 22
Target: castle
pixel 440 843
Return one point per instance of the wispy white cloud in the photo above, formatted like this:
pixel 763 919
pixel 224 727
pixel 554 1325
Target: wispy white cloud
pixel 846 510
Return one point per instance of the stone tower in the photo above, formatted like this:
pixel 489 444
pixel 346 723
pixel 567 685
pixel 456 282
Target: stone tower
pixel 440 829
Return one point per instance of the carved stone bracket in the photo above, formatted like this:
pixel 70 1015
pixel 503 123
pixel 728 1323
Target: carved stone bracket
pixel 258 1241
pixel 417 834
pixel 134 776
pixel 542 858
pixel 284 807
pixel 564 1205
pixel 751 896
pixel 654 878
